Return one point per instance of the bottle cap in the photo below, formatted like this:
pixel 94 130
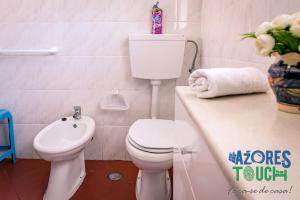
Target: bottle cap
pixel 155 7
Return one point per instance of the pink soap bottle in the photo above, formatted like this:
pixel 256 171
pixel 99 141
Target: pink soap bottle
pixel 157 19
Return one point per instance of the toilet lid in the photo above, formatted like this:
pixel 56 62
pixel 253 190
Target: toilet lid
pixel 160 136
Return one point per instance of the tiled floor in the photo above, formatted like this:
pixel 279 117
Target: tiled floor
pixel 27 180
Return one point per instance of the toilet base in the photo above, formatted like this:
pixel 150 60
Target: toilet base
pixel 153 185
pixel 65 178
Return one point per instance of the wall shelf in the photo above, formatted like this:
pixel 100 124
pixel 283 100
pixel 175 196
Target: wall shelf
pixel 114 101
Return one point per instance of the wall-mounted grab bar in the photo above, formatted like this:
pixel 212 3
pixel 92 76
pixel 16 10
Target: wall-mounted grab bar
pixel 29 52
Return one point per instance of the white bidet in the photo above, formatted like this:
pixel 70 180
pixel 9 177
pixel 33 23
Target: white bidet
pixel 62 143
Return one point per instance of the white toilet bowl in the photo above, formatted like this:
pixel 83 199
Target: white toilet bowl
pixel 62 143
pixel 150 144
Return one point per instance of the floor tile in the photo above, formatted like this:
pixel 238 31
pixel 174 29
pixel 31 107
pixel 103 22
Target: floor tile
pixel 27 180
pixel 6 191
pixel 97 186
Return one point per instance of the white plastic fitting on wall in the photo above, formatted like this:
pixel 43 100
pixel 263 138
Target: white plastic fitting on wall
pixel 114 101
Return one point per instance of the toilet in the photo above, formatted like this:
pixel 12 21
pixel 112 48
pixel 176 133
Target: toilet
pixel 150 142
pixel 62 143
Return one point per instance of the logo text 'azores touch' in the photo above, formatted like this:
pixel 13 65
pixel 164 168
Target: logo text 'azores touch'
pixel 261 165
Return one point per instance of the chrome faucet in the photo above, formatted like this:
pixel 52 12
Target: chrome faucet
pixel 77 114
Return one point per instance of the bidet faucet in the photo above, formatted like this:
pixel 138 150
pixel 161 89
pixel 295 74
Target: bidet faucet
pixel 77 114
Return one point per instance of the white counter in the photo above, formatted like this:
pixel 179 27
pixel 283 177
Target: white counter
pixel 248 122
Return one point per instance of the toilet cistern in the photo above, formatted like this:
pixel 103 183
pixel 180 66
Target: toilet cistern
pixel 156 58
pixel 77 113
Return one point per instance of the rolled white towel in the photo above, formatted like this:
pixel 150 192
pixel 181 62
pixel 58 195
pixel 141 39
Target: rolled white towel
pixel 209 83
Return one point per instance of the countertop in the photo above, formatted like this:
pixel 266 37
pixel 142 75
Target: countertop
pixel 247 122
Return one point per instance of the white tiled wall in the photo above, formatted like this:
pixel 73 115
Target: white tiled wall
pixel 93 60
pixel 223 22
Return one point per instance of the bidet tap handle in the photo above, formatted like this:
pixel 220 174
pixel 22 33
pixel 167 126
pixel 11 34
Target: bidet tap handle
pixel 77 113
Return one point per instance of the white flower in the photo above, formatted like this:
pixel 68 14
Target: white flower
pixel 264 44
pixel 263 28
pixel 295 28
pixel 282 21
pixel 295 15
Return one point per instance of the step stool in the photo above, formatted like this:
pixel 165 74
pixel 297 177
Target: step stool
pixel 9 149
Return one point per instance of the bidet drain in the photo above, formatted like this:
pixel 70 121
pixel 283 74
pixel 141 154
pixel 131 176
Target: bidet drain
pixel 114 176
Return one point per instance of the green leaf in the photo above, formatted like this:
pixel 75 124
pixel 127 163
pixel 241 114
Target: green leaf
pixel 248 35
pixel 285 41
pixel 281 48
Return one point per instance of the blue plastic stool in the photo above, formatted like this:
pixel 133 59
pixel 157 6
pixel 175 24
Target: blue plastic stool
pixel 9 149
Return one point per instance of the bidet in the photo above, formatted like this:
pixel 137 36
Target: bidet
pixel 62 143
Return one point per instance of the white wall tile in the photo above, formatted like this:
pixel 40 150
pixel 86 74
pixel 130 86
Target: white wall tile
pixel 114 142
pixel 93 150
pixel 140 10
pixel 24 135
pixel 85 10
pixel 166 99
pixel 26 35
pixel 18 73
pixel 188 10
pixel 4 134
pixel 87 38
pixel 278 7
pixel 25 10
pixel 221 31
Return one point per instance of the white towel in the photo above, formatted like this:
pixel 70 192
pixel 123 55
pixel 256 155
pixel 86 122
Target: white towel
pixel 209 83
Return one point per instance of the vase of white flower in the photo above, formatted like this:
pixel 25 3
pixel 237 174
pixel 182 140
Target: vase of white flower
pixel 281 39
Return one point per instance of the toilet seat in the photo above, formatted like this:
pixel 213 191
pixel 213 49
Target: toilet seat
pixel 149 150
pixel 147 156
pixel 158 136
